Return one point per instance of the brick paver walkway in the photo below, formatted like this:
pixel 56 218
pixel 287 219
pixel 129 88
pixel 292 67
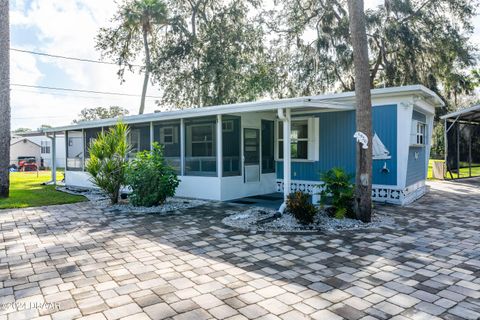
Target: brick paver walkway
pixel 72 261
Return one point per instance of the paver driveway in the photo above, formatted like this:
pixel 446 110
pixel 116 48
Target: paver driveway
pixel 74 261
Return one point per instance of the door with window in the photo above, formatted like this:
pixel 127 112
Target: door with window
pixel 251 154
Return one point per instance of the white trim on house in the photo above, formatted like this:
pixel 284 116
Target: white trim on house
pixel 404 123
pixel 336 101
pixel 22 139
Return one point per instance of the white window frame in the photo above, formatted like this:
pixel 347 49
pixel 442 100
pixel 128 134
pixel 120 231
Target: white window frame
pixel 313 147
pixel 163 135
pixel 418 136
pixel 45 147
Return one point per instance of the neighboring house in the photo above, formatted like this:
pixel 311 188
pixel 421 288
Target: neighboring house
pixel 46 147
pixel 21 147
pixel 232 151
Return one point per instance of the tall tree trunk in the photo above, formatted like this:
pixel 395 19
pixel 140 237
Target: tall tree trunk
pixel 196 63
pixel 147 70
pixel 363 177
pixel 4 99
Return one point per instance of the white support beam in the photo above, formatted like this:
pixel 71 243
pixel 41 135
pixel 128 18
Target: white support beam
pixel 182 147
pixel 54 158
pixel 286 118
pixel 219 146
pixel 66 151
pixel 286 155
pixel 83 149
pixel 151 136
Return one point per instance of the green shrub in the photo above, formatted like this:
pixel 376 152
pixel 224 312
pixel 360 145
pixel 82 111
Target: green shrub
pixel 108 154
pixel 152 180
pixel 337 191
pixel 300 206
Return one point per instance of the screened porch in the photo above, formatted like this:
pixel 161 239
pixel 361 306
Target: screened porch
pixel 202 146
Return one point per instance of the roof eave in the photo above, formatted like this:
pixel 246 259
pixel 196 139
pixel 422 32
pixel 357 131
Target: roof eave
pixel 252 107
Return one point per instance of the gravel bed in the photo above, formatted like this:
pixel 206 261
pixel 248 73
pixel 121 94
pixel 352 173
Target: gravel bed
pixel 261 219
pixel 172 205
pixel 100 200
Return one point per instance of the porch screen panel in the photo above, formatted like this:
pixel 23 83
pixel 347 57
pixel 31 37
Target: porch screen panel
pixel 167 134
pixel 74 141
pixel 231 136
pixel 463 159
pixel 90 135
pixel 268 157
pixel 138 138
pixel 200 147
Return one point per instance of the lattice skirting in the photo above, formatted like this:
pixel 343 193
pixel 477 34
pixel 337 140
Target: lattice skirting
pixel 380 193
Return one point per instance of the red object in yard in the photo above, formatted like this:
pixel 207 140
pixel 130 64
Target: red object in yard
pixel 27 164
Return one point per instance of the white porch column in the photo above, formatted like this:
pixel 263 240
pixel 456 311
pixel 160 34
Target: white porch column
pixel 83 149
pixel 219 146
pixel 54 158
pixel 286 155
pixel 151 136
pixel 182 147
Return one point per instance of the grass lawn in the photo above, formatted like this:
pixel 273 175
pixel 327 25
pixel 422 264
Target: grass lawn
pixel 464 172
pixel 26 190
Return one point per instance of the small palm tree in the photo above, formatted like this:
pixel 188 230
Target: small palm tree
pixel 139 23
pixel 108 159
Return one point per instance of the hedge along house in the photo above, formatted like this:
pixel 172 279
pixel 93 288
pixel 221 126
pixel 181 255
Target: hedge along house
pixel 232 151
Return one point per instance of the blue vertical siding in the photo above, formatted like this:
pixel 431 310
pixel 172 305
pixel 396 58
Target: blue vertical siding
pixel 385 126
pixel 337 146
pixel 416 166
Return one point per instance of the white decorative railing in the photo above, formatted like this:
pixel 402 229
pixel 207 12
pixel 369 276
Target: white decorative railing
pixel 380 193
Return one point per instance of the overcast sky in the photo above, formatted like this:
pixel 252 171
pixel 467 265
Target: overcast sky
pixel 68 27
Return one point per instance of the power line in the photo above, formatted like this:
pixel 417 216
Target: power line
pixel 69 58
pixel 69 95
pixel 42 117
pixel 84 91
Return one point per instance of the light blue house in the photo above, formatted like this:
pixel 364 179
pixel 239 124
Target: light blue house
pixel 232 151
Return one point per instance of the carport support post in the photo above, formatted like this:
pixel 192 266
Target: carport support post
pixel 458 150
pixel 470 153
pixel 445 143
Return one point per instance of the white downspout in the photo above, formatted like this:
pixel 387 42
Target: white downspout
pixel 286 118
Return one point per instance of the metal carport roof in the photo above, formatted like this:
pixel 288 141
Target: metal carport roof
pixel 471 114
